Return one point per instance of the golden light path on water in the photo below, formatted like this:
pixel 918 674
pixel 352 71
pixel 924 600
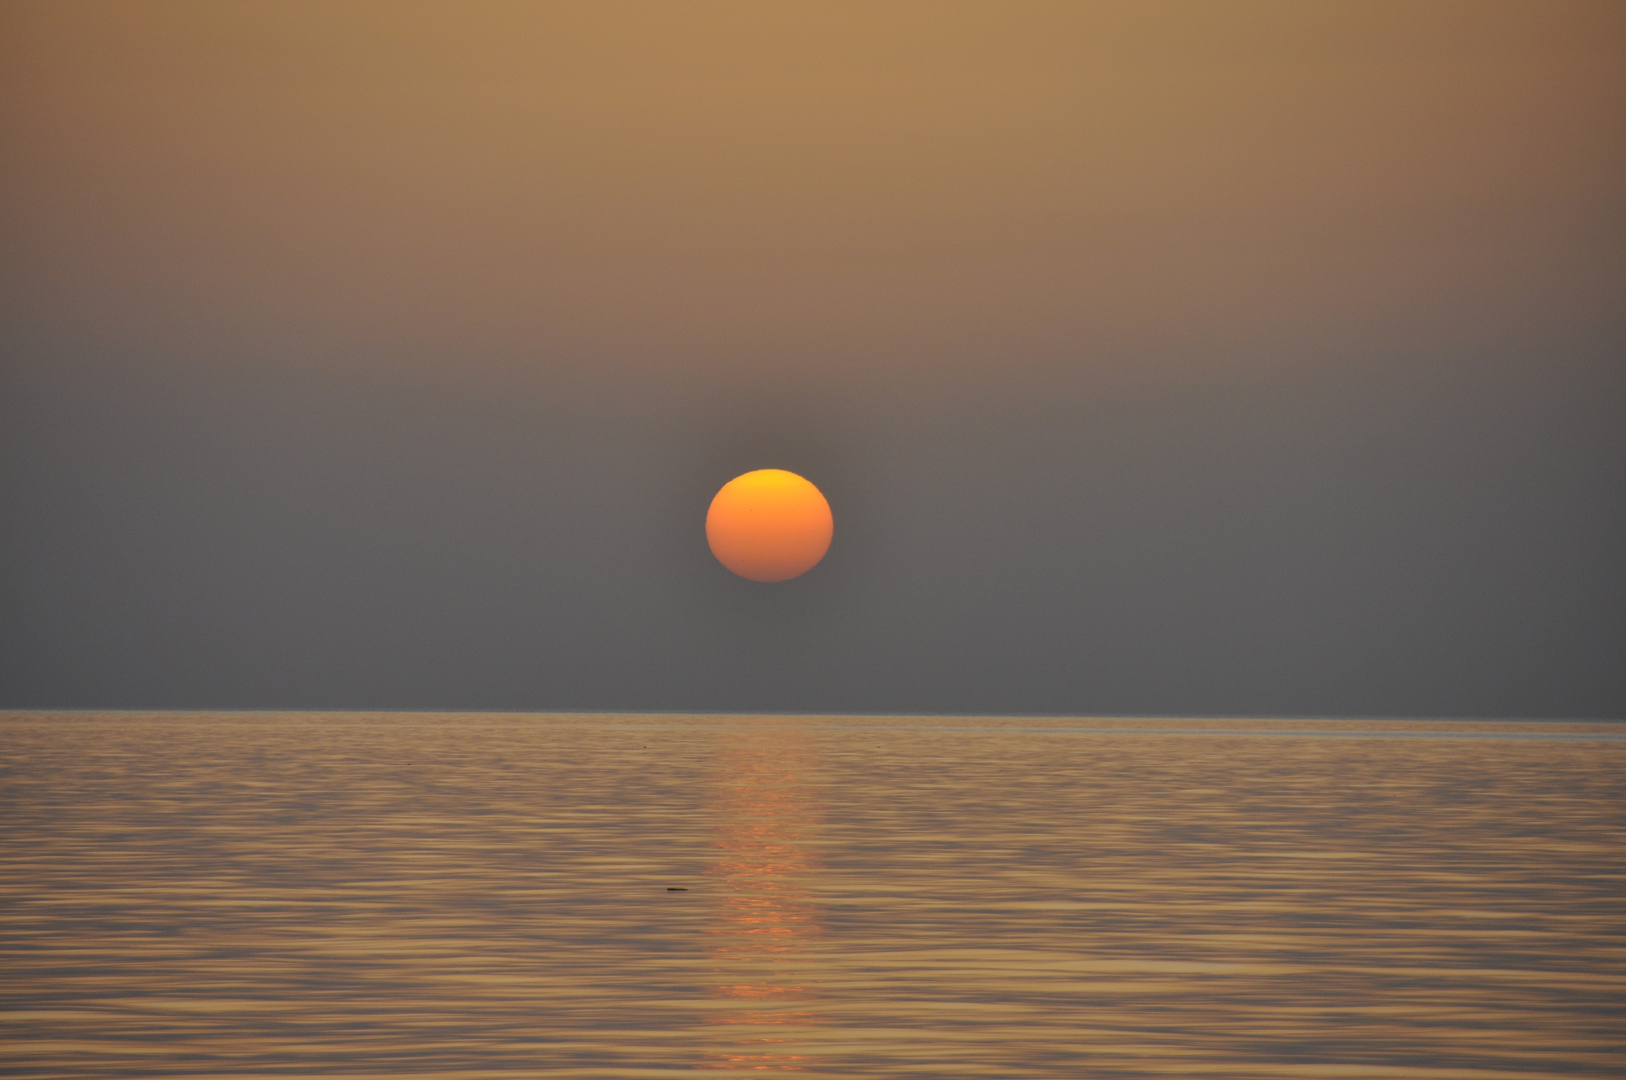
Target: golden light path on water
pixel 766 817
pixel 234 895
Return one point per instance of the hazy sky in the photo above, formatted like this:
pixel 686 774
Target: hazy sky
pixel 1155 358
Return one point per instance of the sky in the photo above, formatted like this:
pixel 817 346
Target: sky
pixel 1156 358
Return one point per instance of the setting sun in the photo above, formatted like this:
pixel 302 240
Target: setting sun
pixel 769 525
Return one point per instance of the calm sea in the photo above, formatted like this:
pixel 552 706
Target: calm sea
pixel 236 895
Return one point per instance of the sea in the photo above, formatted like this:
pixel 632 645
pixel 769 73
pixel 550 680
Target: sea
pixel 647 896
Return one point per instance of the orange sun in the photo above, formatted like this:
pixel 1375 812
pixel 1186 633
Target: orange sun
pixel 769 525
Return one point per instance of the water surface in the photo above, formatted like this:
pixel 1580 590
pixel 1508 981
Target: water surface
pixel 234 895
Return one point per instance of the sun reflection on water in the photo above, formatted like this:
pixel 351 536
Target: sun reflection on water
pixel 765 811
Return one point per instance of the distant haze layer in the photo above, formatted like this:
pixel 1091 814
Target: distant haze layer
pixel 1253 357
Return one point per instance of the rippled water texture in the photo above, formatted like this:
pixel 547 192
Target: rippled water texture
pixel 482 896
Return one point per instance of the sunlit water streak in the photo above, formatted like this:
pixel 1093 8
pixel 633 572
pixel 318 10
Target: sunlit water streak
pixel 238 895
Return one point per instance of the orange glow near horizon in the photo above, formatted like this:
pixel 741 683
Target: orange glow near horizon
pixel 769 525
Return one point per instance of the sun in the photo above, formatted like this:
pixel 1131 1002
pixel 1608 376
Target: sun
pixel 769 525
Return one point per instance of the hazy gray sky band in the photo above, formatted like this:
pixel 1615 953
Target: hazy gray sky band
pixel 991 726
pixel 1259 358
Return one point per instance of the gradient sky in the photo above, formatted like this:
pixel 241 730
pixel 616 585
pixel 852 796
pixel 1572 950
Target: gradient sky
pixel 1155 358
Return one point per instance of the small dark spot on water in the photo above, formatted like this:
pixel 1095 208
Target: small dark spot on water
pixel 677 888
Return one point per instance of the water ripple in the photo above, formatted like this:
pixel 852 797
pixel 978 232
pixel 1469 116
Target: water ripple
pixel 235 895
